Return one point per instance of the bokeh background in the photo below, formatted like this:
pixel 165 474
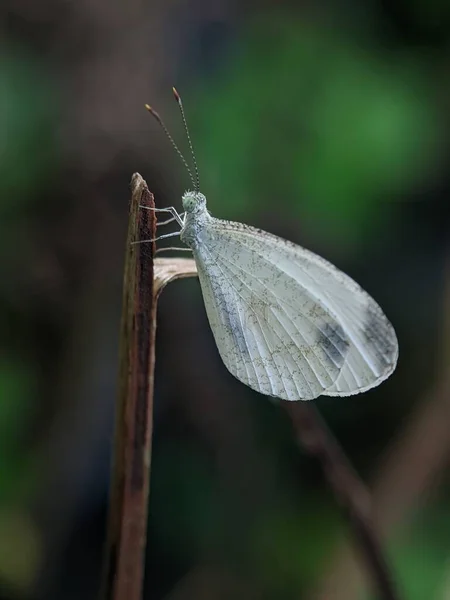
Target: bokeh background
pixel 324 122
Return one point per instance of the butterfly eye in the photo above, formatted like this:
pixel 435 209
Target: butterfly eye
pixel 193 202
pixel 188 203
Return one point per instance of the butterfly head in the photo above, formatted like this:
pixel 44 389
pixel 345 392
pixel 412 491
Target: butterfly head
pixel 194 202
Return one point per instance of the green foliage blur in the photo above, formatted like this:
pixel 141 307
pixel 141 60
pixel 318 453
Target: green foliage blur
pixel 317 124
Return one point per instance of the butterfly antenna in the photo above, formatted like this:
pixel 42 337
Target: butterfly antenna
pixel 172 141
pixel 191 147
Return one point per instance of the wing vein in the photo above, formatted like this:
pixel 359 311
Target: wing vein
pixel 238 367
pixel 254 337
pixel 312 369
pixel 357 343
pixel 281 302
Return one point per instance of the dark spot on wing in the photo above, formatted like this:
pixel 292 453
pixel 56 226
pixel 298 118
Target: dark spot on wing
pixel 380 336
pixel 232 321
pixel 334 342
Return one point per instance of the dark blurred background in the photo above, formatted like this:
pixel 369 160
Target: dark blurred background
pixel 324 122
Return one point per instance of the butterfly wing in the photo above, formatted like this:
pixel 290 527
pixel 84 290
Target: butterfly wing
pixel 271 332
pixel 286 322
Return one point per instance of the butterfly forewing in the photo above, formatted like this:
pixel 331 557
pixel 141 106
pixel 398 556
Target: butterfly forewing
pixel 286 322
pixel 272 334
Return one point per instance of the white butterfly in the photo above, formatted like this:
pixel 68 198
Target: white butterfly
pixel 286 322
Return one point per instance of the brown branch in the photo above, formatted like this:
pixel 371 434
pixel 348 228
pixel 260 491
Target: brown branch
pixel 349 490
pixel 411 468
pixel 124 566
pixel 144 280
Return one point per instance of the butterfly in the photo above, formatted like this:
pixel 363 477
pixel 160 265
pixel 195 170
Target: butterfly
pixel 286 322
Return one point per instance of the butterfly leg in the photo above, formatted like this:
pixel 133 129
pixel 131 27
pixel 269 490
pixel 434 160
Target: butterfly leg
pixel 167 221
pixel 170 209
pixel 160 237
pixel 173 248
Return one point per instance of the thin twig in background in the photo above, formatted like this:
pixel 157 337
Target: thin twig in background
pixel 143 281
pixel 349 490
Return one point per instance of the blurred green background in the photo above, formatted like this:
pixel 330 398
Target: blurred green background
pixel 326 123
